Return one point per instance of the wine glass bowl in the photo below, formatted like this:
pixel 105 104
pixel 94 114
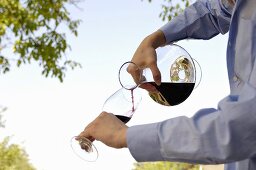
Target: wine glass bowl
pixel 123 103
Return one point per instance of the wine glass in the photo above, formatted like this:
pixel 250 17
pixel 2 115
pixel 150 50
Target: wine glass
pixel 179 76
pixel 122 103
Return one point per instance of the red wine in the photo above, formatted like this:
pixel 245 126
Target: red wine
pixel 132 96
pixel 124 119
pixel 173 93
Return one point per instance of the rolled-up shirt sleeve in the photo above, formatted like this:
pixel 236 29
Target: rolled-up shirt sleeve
pixel 211 136
pixel 202 20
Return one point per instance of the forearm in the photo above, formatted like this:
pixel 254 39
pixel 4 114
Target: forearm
pixel 155 40
pixel 211 136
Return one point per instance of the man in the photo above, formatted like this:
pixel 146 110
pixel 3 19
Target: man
pixel 212 136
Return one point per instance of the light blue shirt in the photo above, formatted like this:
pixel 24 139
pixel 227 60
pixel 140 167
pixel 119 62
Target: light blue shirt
pixel 212 136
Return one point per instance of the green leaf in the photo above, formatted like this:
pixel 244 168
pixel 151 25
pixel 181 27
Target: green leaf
pixel 33 26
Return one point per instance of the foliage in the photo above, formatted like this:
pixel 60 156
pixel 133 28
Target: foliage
pixel 12 157
pixel 165 166
pixel 171 8
pixel 31 28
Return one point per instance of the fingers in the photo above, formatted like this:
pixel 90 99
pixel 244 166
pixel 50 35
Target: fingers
pixel 90 130
pixel 156 73
pixel 82 135
pixel 135 72
pixel 106 128
pixel 85 134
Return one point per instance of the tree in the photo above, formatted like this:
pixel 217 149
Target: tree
pixel 31 29
pixel 165 166
pixel 172 8
pixel 12 157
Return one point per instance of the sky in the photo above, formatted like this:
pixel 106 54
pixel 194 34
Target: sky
pixel 44 114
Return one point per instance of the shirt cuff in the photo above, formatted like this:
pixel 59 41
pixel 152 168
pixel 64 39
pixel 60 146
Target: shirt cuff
pixel 143 142
pixel 174 30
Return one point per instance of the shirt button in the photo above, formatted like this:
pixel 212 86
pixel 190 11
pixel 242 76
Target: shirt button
pixel 235 78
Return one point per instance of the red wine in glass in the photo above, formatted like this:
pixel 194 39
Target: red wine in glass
pixel 124 118
pixel 123 103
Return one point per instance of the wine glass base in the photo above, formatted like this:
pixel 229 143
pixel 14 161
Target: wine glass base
pixel 84 149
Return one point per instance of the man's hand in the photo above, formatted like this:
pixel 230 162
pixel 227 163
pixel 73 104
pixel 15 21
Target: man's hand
pixel 108 129
pixel 145 57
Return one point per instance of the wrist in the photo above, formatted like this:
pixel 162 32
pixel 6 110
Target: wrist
pixel 123 137
pixel 156 39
